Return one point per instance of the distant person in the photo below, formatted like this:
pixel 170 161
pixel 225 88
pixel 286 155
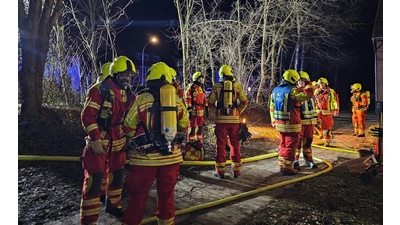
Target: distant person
pixel 359 101
pixel 152 126
pixel 327 103
pixel 107 103
pixel 196 103
pixel 228 101
pixel 175 83
pixel 308 115
pixel 285 102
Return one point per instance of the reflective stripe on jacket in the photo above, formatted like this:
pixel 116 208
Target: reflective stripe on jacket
pixel 308 113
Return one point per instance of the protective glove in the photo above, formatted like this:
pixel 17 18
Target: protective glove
pixel 336 113
pixel 244 133
pixel 98 147
pixel 206 112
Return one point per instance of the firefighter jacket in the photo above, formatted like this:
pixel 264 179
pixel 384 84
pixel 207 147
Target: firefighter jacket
pixel 359 101
pixel 239 100
pixel 327 101
pixel 179 90
pixel 139 123
pixel 308 112
pixel 196 99
pixel 285 102
pixel 104 112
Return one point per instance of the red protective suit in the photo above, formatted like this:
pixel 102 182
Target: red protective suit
pixel 308 116
pixel 359 101
pixel 113 110
pixel 227 125
pixel 285 116
pixel 327 103
pixel 196 103
pixel 148 162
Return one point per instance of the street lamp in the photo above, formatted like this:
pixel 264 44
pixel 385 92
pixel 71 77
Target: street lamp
pixel 152 40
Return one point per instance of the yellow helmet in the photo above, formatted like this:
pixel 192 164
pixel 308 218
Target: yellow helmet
pixel 196 76
pixel 356 87
pixel 105 71
pixel 304 75
pixel 159 70
pixel 323 80
pixel 173 74
pixel 291 76
pixel 225 70
pixel 121 64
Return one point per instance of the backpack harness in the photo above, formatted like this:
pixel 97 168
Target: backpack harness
pixel 220 102
pixel 103 116
pixel 153 136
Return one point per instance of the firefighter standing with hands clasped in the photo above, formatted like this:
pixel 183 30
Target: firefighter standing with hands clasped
pixel 285 102
pixel 107 103
pixel 327 103
pixel 151 126
pixel 359 101
pixel 308 115
pixel 228 101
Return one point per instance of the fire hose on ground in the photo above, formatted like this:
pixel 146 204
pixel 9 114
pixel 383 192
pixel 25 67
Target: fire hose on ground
pixel 211 163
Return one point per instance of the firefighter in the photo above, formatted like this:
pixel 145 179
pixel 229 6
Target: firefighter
pixel 151 126
pixel 327 103
pixel 285 102
pixel 107 103
pixel 308 115
pixel 196 103
pixel 359 101
pixel 228 101
pixel 175 83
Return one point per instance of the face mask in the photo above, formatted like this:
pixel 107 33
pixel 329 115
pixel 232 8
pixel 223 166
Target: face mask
pixel 124 79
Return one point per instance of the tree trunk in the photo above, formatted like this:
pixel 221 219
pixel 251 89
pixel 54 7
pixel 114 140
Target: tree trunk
pixel 34 30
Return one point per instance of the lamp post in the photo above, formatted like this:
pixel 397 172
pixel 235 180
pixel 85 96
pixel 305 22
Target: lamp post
pixel 152 40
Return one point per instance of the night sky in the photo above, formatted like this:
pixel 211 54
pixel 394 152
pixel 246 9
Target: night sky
pixel 153 17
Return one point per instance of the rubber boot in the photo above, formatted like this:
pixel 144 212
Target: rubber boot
pixel 115 211
pixel 296 165
pixel 310 164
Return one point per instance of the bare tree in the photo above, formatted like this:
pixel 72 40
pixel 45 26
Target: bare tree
pixel 254 38
pixel 35 21
pixel 83 36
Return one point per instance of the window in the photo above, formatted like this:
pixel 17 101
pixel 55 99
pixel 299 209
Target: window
pixel 145 58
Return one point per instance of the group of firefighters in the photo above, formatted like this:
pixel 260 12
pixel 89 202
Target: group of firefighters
pixel 146 130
